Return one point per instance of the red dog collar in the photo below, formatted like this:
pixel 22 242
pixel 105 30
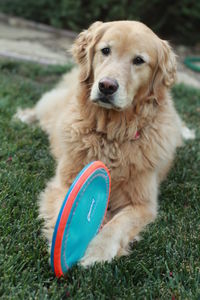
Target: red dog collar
pixel 137 136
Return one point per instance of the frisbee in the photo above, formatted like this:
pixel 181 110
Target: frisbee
pixel 80 217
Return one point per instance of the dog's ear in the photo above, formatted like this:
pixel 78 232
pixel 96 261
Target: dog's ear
pixel 165 72
pixel 167 64
pixel 83 48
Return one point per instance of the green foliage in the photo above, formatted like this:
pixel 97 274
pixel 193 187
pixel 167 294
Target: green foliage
pixel 163 265
pixel 176 19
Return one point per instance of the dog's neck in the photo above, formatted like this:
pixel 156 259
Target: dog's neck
pixel 116 125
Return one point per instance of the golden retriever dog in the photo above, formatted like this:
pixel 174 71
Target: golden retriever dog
pixel 114 107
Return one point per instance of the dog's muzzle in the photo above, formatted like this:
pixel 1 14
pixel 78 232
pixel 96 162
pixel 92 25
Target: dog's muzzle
pixel 106 91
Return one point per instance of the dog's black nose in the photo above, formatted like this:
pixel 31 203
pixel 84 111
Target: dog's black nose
pixel 108 86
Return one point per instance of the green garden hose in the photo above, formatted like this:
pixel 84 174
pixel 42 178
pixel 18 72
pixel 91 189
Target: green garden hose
pixel 190 62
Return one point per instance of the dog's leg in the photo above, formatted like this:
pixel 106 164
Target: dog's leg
pixel 116 235
pixel 50 202
pixel 113 240
pixel 51 199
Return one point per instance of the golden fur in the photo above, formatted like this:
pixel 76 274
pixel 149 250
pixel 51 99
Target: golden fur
pixel 82 129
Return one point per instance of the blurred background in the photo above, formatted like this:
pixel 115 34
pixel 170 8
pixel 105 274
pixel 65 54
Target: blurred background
pixel 42 30
pixel 178 20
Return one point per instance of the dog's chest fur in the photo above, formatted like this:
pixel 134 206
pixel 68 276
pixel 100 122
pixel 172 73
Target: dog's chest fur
pixel 110 137
pixel 120 153
pixel 114 153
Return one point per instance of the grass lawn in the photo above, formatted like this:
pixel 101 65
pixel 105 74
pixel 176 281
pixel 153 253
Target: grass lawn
pixel 165 264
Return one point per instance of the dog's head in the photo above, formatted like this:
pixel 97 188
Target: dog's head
pixel 122 62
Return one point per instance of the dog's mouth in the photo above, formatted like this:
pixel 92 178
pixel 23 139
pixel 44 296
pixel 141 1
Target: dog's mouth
pixel 106 102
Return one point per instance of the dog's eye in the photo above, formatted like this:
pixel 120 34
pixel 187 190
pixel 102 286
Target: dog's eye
pixel 105 51
pixel 138 60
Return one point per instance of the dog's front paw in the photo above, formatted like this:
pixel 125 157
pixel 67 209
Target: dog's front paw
pixel 101 249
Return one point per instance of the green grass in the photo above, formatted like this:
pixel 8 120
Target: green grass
pixel 164 265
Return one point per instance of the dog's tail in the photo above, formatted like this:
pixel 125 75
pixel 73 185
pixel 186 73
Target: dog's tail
pixel 187 134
